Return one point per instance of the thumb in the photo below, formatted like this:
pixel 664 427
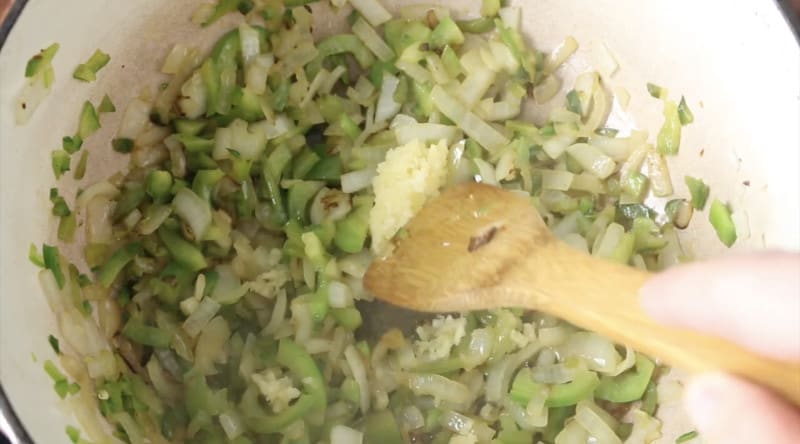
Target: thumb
pixel 726 410
pixel 752 300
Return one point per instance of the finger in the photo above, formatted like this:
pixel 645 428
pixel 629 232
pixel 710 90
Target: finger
pixel 753 300
pixel 727 410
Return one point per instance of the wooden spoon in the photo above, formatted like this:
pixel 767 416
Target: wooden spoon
pixel 477 247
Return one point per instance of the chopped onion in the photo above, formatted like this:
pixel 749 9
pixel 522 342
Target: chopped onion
pixel 482 132
pixel 658 172
pixel 589 183
pixel 441 388
pixel 502 55
pixel 223 142
pixel 51 291
pixel 132 429
pixel 499 375
pixel 155 216
pixel 162 382
pixel 567 225
pixel 586 414
pixel 313 87
pixel 32 95
pixel 356 264
pixel 576 241
pixel 511 17
pixel 248 142
pixel 622 96
pixel 619 148
pixel 363 92
pixel 498 111
pixel 633 164
pixel 646 429
pixel 109 317
pixel 572 433
pixel 372 40
pixel 198 320
pixel 556 180
pixel 421 11
pixel 232 424
pixel 479 348
pixel 603 60
pixel 102 365
pixel 135 119
pixel 301 318
pixel 627 363
pixel 560 54
pixel 345 435
pixel 249 43
pixel 358 180
pixel 167 96
pixel 475 85
pixel 601 106
pixel 607 243
pixel 359 371
pixel 194 210
pixel 742 222
pixel 557 145
pixel 339 295
pixel 372 11
pixel 506 169
pixel 228 289
pixel 486 172
pixel 210 346
pixel 330 205
pixel 457 423
pixel 598 352
pixel 174 59
pixel 412 418
pixel 414 70
pixel 559 373
pixel 585 86
pixel 257 72
pixel 592 159
pixel 85 409
pixel 546 90
pixel 81 333
pixel 387 106
pixel 426 133
pixel 99 219
pixel 670 391
pixel 103 188
pixel 331 81
pixel 524 419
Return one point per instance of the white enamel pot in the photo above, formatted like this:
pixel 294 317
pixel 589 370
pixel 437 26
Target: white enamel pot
pixel 736 62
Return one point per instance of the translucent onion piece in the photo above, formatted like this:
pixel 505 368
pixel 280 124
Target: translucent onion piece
pixel 441 388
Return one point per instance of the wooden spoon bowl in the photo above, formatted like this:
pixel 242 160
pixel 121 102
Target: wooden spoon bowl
pixel 477 247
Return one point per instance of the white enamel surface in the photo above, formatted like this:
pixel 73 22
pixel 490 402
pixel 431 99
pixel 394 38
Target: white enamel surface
pixel 741 62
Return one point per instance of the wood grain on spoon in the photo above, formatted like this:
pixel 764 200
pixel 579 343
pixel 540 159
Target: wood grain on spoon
pixel 478 247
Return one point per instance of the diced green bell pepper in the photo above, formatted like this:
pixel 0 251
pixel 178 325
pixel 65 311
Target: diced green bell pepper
pixel 111 269
pixel 629 386
pixel 580 388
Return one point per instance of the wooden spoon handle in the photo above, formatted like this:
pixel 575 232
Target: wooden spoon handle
pixel 603 296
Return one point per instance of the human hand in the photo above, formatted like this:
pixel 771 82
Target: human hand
pixel 754 301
